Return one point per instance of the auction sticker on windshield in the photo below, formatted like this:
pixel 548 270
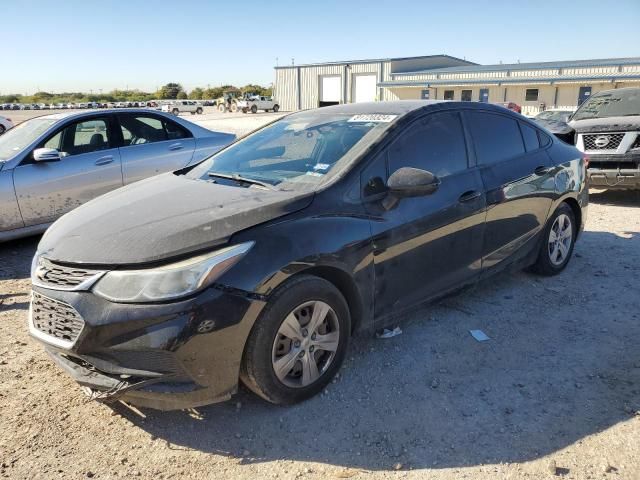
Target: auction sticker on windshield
pixel 376 117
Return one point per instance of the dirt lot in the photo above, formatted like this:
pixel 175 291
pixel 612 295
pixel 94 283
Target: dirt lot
pixel 556 390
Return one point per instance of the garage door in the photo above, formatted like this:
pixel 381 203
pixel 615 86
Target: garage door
pixel 364 88
pixel 330 88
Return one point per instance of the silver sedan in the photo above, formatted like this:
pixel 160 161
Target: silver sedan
pixel 54 163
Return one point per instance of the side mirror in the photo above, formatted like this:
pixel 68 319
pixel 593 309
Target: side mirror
pixel 46 155
pixel 412 182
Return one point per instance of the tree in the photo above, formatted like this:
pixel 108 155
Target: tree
pixel 182 95
pixel 170 91
pixel 196 94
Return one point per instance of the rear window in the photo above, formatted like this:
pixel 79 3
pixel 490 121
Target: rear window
pixel 530 136
pixel 496 137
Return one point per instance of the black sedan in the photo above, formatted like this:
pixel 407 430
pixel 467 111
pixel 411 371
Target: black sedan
pixel 259 263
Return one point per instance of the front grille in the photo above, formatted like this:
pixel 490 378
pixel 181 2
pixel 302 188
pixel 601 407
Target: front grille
pixel 636 144
pixel 55 318
pixel 602 141
pixel 54 275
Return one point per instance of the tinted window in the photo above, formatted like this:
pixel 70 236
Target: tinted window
pixel 448 94
pixel 435 144
pixel 465 95
pixel 496 137
pixel 137 130
pixel 175 131
pixel 531 95
pixel 530 136
pixel 85 137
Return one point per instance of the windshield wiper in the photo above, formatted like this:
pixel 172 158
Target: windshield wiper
pixel 241 179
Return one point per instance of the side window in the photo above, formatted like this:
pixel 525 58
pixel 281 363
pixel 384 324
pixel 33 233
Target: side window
pixel 435 143
pixel 373 179
pixel 530 136
pixel 496 137
pixel 54 142
pixel 175 131
pixel 140 129
pixel 85 137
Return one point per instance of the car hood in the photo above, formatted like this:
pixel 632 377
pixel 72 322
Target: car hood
pixel 160 218
pixel 607 124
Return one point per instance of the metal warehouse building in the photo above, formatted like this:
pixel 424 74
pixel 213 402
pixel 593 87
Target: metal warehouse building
pixel 534 86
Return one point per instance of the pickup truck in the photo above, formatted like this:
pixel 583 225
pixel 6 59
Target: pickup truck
pixel 253 104
pixel 181 106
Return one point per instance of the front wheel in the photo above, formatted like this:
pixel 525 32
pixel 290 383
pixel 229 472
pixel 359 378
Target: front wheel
pixel 175 111
pixel 221 108
pixel 276 108
pixel 557 242
pixel 254 109
pixel 199 111
pixel 298 343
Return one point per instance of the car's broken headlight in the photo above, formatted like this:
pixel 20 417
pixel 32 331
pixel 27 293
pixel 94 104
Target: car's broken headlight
pixel 169 281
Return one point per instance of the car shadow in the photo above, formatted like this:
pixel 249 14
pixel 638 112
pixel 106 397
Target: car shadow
pixel 622 198
pixel 561 364
pixel 15 258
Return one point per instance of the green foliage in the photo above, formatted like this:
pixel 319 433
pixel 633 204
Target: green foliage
pixel 170 91
pixel 196 94
pixel 182 95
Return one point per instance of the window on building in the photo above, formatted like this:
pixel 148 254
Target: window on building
pixel 436 144
pixel 496 137
pixel 531 95
pixel 465 96
pixel 448 94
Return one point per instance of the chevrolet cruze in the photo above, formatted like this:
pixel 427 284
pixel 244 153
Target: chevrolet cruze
pixel 258 264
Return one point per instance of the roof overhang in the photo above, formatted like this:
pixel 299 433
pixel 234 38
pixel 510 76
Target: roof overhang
pixel 507 81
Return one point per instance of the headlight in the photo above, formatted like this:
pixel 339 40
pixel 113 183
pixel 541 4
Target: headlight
pixel 170 281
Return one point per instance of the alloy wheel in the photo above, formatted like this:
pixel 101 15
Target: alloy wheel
pixel 306 344
pixel 560 238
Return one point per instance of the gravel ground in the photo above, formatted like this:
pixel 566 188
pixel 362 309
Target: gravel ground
pixel 555 391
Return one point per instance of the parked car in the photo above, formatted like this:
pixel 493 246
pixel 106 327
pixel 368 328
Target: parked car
pixel 51 164
pixel 181 106
pixel 556 121
pixel 255 103
pixel 279 244
pixel 607 127
pixel 5 124
pixel 514 107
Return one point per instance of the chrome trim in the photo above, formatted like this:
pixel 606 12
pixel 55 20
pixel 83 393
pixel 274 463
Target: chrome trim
pixel 82 286
pixel 49 338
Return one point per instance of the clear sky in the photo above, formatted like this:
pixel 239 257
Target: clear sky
pixel 71 45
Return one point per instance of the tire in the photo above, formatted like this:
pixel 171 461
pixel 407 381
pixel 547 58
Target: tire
pixel 199 111
pixel 221 108
pixel 276 108
pixel 555 252
pixel 267 344
pixel 2 129
pixel 254 109
pixel 175 111
pixel 234 108
pixel 245 110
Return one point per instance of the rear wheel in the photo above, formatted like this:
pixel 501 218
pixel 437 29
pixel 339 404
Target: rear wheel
pixel 254 109
pixel 199 111
pixel 276 108
pixel 557 243
pixel 221 108
pixel 2 129
pixel 298 343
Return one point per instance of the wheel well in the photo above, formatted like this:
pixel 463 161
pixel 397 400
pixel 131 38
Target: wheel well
pixel 577 212
pixel 343 282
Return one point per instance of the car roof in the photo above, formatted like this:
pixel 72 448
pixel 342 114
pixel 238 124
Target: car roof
pixel 397 107
pixel 65 115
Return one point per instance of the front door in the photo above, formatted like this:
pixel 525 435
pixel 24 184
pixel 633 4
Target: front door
pixel 151 145
pixel 583 94
pixel 518 181
pixel 484 95
pixel 90 167
pixel 424 246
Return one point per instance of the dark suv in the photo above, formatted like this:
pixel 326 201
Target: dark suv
pixel 607 129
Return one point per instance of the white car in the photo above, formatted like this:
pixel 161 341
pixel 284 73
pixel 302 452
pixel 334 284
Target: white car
pixel 5 124
pixel 179 106
pixel 255 103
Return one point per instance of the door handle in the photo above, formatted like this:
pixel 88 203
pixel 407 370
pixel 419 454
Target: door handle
pixel 541 170
pixel 175 146
pixel 468 196
pixel 104 160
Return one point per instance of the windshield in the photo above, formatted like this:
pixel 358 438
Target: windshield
pixel 613 103
pixel 19 137
pixel 297 152
pixel 559 115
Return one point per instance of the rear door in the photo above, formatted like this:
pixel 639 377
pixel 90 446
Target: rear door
pixel 426 245
pixel 90 167
pixel 518 180
pixel 152 144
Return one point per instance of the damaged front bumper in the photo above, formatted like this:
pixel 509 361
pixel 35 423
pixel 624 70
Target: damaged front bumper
pixel 166 356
